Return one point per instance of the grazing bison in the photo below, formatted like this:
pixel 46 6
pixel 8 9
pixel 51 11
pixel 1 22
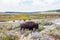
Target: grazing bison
pixel 29 25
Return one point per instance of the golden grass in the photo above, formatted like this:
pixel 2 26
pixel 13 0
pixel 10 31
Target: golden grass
pixel 27 16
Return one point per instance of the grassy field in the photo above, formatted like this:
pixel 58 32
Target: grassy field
pixel 28 16
pixel 6 28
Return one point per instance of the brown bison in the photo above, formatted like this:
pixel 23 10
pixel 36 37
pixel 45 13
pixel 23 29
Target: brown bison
pixel 29 25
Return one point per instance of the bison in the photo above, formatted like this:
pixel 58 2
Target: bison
pixel 29 25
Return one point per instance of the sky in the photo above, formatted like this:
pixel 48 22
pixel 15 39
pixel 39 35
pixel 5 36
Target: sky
pixel 28 5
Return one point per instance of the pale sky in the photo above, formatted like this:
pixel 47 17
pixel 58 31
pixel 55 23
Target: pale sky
pixel 28 5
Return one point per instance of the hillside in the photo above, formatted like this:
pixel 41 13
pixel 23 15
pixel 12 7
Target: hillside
pixel 58 10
